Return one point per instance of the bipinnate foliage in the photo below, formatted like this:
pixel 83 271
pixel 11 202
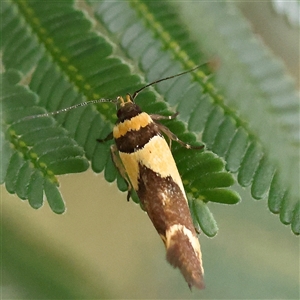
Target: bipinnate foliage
pixel 59 53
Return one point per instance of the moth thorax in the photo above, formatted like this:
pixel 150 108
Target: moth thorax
pixel 127 111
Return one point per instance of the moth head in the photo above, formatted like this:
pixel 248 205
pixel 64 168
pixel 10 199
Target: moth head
pixel 127 108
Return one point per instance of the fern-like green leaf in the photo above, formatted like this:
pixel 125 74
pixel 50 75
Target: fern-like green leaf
pixel 71 61
pixel 255 84
pixel 223 132
pixel 30 158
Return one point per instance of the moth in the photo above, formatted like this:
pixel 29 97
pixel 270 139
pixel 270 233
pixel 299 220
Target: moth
pixel 144 159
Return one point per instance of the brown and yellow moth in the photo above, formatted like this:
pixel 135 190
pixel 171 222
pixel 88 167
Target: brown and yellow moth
pixel 147 161
pixel 144 159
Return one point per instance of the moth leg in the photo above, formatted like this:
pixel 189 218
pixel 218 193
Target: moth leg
pixel 107 138
pixel 198 231
pixel 156 117
pixel 173 137
pixel 118 164
pixel 169 133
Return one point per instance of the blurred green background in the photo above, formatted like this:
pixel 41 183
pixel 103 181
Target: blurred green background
pixel 104 247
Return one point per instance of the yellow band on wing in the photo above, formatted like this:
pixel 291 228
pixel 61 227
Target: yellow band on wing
pixel 135 123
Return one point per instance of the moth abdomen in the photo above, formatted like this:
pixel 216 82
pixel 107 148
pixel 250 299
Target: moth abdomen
pixel 183 252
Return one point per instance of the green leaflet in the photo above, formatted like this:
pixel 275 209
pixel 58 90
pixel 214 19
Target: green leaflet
pixel 256 84
pixel 30 158
pixel 75 62
pixel 222 130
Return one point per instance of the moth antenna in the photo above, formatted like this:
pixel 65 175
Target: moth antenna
pixel 70 108
pixel 166 78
